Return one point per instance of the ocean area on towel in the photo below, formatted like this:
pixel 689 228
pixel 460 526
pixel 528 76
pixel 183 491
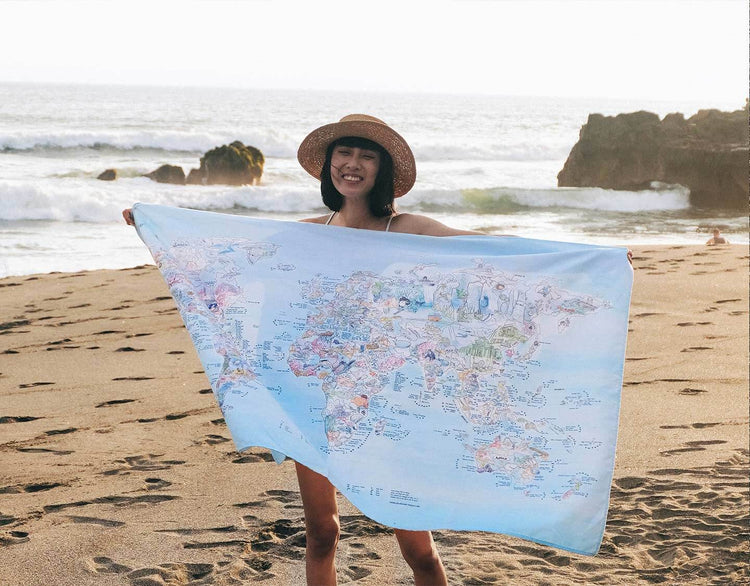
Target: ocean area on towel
pixel 486 163
pixel 468 383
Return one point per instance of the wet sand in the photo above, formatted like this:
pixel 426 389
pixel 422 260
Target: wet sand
pixel 116 466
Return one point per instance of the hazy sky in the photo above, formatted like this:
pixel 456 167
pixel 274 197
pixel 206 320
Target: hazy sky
pixel 611 48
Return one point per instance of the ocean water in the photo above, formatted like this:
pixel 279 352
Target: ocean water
pixel 487 163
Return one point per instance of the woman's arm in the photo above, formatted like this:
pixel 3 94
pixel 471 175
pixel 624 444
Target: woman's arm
pixel 416 224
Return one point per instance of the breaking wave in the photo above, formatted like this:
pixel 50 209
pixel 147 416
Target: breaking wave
pixel 88 200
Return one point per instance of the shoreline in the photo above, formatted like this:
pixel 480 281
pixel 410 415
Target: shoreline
pixel 118 466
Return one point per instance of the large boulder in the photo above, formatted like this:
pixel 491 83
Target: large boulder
pixel 168 174
pixel 707 153
pixel 232 164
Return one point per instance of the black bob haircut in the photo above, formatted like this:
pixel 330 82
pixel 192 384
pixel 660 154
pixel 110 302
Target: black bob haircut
pixel 381 197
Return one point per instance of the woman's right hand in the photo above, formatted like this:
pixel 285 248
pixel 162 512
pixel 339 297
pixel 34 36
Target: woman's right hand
pixel 128 215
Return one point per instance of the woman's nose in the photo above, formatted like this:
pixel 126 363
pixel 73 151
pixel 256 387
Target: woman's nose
pixel 353 162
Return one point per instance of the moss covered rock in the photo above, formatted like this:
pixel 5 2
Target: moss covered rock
pixel 232 164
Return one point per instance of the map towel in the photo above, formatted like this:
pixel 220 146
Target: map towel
pixel 468 383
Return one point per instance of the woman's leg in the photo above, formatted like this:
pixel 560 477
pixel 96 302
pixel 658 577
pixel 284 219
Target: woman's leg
pixel 322 524
pixel 420 553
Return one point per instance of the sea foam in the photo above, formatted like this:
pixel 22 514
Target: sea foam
pixel 88 200
pixel 273 144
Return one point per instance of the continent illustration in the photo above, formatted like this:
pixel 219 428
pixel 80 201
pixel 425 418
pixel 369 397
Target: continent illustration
pixel 471 332
pixel 464 341
pixel 203 275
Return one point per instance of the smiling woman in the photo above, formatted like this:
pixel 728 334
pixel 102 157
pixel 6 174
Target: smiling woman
pixel 363 165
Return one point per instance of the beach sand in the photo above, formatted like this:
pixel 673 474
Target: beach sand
pixel 116 466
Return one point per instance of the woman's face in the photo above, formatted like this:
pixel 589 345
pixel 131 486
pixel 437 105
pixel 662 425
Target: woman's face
pixel 354 170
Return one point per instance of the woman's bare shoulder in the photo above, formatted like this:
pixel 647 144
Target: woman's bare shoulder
pixel 417 224
pixel 316 220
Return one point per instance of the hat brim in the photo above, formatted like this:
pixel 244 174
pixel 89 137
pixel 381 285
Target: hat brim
pixel 312 152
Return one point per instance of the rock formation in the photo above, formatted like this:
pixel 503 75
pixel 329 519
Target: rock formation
pixel 707 153
pixel 108 175
pixel 168 174
pixel 233 164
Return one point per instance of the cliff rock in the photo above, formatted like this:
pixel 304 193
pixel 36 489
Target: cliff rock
pixel 232 164
pixel 707 153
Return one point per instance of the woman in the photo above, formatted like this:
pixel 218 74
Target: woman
pixel 363 165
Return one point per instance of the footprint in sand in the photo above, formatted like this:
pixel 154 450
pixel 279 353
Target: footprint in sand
pixel 143 462
pixel 689 391
pixel 272 497
pixel 115 402
pixel 9 325
pixel 355 573
pixel 213 439
pixel 130 349
pixel 693 425
pixel 18 419
pixel 61 431
pixel 37 384
pixel 696 348
pixel 115 500
pixel 668 453
pixel 6 519
pixel 174 416
pixel 36 487
pixel 156 483
pixel 104 565
pixel 13 538
pixel 246 458
pixel 45 450
pixel 95 521
pixel 171 573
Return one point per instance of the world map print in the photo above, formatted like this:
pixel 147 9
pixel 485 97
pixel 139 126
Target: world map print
pixel 462 383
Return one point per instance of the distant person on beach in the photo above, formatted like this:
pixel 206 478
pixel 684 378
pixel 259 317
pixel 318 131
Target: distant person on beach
pixel 717 238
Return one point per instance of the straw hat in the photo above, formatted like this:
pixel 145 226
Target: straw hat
pixel 312 151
